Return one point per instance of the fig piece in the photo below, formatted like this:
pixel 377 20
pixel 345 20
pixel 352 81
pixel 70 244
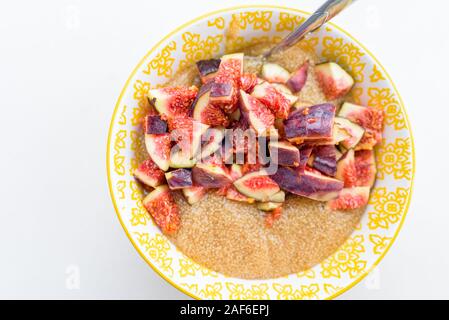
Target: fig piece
pixel 309 183
pixel 325 159
pixel 248 81
pixel 187 133
pixel 299 78
pixel 162 207
pixel 283 89
pixel 278 197
pixel 371 119
pixel 346 170
pixel 206 112
pixel 268 206
pixel 351 198
pixel 149 174
pixel 273 72
pixel 258 116
pixel 208 69
pixel 234 195
pixel 153 124
pixel 284 153
pixel 179 179
pixel 214 138
pixel 334 80
pixel 181 159
pixel 158 147
pixel 278 102
pixel 353 132
pixel 257 185
pixel 210 175
pixel 310 124
pixel 365 164
pixel 305 153
pixel 228 75
pixel 172 102
pixel 194 194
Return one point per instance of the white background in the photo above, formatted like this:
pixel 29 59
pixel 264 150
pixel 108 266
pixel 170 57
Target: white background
pixel 62 66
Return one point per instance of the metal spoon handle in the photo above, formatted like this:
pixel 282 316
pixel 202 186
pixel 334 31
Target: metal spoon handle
pixel 326 12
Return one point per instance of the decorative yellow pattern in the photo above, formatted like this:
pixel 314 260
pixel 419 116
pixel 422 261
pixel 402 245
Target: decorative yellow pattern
pixel 380 243
pixel 196 49
pixel 388 207
pixel 287 292
pixel 259 20
pixel 394 159
pixel 119 159
pixel 157 249
pixel 141 89
pixel 288 22
pixel 346 260
pixel 389 201
pixel 306 274
pixel 347 55
pixel 187 267
pixel 163 62
pixel 219 23
pixel 255 292
pixel 376 75
pixel 139 216
pixel 383 98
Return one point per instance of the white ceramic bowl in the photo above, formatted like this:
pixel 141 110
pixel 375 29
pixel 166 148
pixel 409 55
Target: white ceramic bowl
pixel 204 38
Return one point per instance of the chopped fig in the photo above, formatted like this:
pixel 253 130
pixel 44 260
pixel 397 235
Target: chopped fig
pixel 153 124
pixel 305 154
pixel 258 116
pixel 208 69
pixel 187 133
pixel 257 185
pixel 325 159
pixel 206 112
pixel 352 130
pixel 162 207
pixel 346 170
pixel 309 183
pixel 221 93
pixel 181 159
pixel 248 81
pixel 158 147
pixel 229 73
pixel 236 171
pixel 279 103
pixel 312 123
pixel 268 206
pixel 210 175
pixel 278 197
pixel 213 137
pixel 284 153
pixel 273 72
pixel 351 198
pixel 233 194
pixel 179 179
pixel 172 102
pixel 365 163
pixel 149 174
pixel 283 89
pixel 193 194
pixel 371 119
pixel 299 78
pixel 334 80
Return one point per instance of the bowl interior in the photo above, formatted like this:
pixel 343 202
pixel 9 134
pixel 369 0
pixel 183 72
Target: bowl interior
pixel 204 38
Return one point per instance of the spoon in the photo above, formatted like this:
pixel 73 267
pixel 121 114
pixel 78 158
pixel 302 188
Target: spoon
pixel 325 13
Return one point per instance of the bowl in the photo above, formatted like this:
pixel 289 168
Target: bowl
pixel 204 38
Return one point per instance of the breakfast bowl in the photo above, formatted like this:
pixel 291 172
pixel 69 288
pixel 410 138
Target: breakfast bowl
pixel 204 38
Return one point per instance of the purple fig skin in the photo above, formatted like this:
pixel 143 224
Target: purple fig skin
pixel 206 67
pixel 219 90
pixel 307 184
pixel 208 179
pixel 311 123
pixel 285 156
pixel 179 179
pixel 299 78
pixel 305 153
pixel 325 159
pixel 155 125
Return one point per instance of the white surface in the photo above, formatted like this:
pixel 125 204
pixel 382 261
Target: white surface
pixel 62 66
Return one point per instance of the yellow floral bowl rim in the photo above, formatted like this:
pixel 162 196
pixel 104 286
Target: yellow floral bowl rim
pixel 363 274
